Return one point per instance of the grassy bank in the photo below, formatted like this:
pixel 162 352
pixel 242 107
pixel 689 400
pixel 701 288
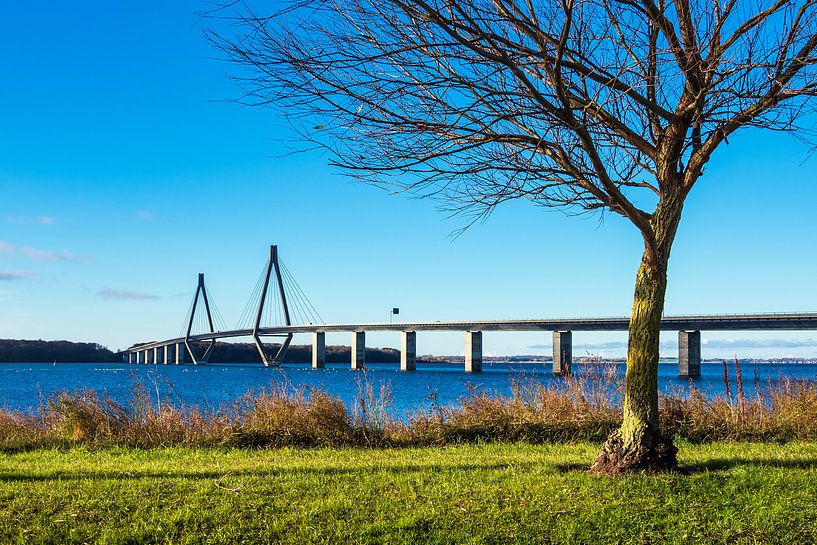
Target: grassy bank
pixel 498 493
pixel 577 409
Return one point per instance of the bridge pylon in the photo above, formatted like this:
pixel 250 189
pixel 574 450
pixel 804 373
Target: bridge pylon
pixel 268 358
pixel 200 290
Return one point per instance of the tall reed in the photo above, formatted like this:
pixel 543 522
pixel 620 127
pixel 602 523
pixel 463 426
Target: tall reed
pixel 582 407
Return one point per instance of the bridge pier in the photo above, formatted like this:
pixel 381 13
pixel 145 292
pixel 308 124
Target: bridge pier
pixel 166 355
pixel 689 354
pixel 473 351
pixel 562 352
pixel 130 357
pixel 358 350
pixel 181 351
pixel 318 350
pixel 408 350
pixel 156 356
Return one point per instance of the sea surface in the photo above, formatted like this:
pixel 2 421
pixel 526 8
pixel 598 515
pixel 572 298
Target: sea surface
pixel 27 387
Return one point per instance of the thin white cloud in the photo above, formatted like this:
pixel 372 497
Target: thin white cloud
pixel 612 345
pixel 8 295
pixel 31 220
pixel 756 343
pixel 144 215
pixel 47 255
pixel 11 276
pixel 109 293
pixel 707 343
pixel 41 255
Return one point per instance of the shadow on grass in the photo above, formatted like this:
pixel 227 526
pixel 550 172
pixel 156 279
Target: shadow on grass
pixel 260 473
pixel 715 464
pixel 724 464
pixel 573 468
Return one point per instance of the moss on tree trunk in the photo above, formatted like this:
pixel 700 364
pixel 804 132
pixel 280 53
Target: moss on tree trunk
pixel 641 381
pixel 638 444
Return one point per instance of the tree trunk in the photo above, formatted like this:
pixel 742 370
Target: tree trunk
pixel 639 445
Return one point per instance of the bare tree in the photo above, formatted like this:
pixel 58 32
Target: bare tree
pixel 596 105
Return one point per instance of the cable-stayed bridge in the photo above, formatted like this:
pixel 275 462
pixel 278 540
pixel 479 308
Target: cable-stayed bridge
pixel 278 308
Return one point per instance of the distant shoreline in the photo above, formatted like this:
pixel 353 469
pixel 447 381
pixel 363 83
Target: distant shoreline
pixel 454 361
pixel 39 351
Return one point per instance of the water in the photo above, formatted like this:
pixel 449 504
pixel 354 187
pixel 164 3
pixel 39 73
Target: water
pixel 23 387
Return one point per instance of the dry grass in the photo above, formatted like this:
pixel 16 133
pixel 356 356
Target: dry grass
pixel 582 408
pixel 286 416
pixel 782 412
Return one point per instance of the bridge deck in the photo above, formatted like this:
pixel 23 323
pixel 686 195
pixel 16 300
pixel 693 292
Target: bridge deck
pixel 733 322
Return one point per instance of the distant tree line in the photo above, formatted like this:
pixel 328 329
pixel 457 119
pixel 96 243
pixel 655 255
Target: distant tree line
pixel 39 351
pixel 247 353
pixel 23 351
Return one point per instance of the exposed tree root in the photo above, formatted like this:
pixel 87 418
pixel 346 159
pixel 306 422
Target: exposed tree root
pixel 648 451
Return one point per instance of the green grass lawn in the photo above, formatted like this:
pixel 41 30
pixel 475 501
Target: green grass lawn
pixel 728 493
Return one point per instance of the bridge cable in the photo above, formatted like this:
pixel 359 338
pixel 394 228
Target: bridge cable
pixel 313 312
pixel 275 314
pixel 243 317
pixel 294 306
pixel 246 320
pixel 292 303
pixel 265 310
pixel 256 299
pixel 294 300
pixel 265 319
pixel 202 319
pixel 310 308
pixel 308 316
pixel 219 323
pixel 297 303
pixel 186 322
pixel 272 305
pixel 303 303
pixel 202 323
pixel 195 319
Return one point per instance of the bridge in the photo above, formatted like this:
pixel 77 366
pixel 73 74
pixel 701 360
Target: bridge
pixel 269 301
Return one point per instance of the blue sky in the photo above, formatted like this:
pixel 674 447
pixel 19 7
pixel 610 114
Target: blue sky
pixel 123 175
